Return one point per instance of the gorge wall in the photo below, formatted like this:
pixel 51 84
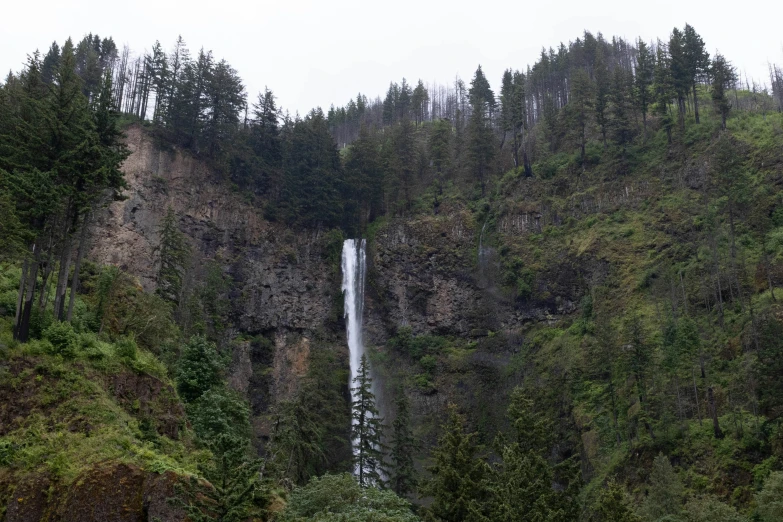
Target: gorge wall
pixel 424 277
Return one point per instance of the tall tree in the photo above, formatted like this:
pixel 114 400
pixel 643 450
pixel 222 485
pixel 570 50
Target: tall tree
pixel 367 429
pixel 645 66
pixel 723 79
pixel 697 62
pixel 458 477
pixel 402 471
pixel 481 138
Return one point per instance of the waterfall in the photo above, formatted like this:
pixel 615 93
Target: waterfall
pixel 353 287
pixel 354 270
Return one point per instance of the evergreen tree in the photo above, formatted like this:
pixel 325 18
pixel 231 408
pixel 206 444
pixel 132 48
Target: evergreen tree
pixel 613 505
pixel 51 63
pixel 697 62
pixel 645 65
pixel 366 429
pixel 664 496
pixel 481 144
pixel 680 72
pixel 602 91
pixel 440 151
pixel 522 480
pixel 402 472
pixel 621 123
pixel 663 89
pixel 174 254
pixel 199 368
pixel 723 79
pixel 458 477
pixel 579 109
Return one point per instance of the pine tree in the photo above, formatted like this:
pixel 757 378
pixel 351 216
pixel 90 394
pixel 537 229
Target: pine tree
pixel 680 73
pixel 664 496
pixel 522 480
pixel 578 110
pixel 174 254
pixel 613 505
pixel 723 78
pixel 402 472
pixel 602 90
pixel 697 62
pixel 458 477
pixel 481 144
pixel 663 90
pixel 645 65
pixel 366 429
pixel 621 123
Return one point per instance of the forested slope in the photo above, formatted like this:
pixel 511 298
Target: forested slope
pixel 573 297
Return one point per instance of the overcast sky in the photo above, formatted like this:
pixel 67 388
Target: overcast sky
pixel 315 53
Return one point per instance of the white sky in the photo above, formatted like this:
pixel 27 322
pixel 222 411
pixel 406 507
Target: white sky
pixel 312 52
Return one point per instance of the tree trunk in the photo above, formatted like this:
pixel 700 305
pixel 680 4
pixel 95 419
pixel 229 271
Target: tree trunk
pixel 714 412
pixel 696 394
pixel 22 331
pixel 62 279
pixel 77 266
pixel 20 295
pixel 695 104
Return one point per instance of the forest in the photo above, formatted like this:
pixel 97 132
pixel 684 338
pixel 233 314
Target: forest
pixel 623 202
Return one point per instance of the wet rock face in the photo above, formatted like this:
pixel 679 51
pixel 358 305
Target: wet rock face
pixel 426 274
pixel 150 398
pixel 105 493
pixel 281 280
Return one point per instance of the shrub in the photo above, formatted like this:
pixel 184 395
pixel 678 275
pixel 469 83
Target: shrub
pixel 339 497
pixel 63 338
pixel 126 348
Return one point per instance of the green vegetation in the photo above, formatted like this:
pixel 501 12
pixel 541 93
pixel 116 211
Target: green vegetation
pixel 621 359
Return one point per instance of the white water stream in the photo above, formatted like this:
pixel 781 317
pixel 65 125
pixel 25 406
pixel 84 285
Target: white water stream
pixel 354 265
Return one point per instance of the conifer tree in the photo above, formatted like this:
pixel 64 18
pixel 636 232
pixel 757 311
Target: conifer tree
pixel 664 496
pixel 458 477
pixel 680 73
pixel 366 429
pixel 578 110
pixel 174 254
pixel 402 473
pixel 723 78
pixel 663 90
pixel 621 124
pixel 602 90
pixel 522 480
pixel 645 64
pixel 697 62
pixel 481 144
pixel 613 505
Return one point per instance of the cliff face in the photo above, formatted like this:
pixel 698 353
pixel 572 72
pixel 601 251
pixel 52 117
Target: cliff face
pixel 426 273
pixel 282 286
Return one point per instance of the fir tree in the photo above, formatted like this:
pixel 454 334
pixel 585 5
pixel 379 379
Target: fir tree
pixel 645 64
pixel 602 91
pixel 697 62
pixel 402 472
pixel 174 255
pixel 663 90
pixel 613 505
pixel 664 496
pixel 723 79
pixel 481 144
pixel 366 429
pixel 458 477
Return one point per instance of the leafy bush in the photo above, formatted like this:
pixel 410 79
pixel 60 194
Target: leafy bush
pixel 340 498
pixel 126 348
pixel 770 499
pixel 63 338
pixel 199 369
